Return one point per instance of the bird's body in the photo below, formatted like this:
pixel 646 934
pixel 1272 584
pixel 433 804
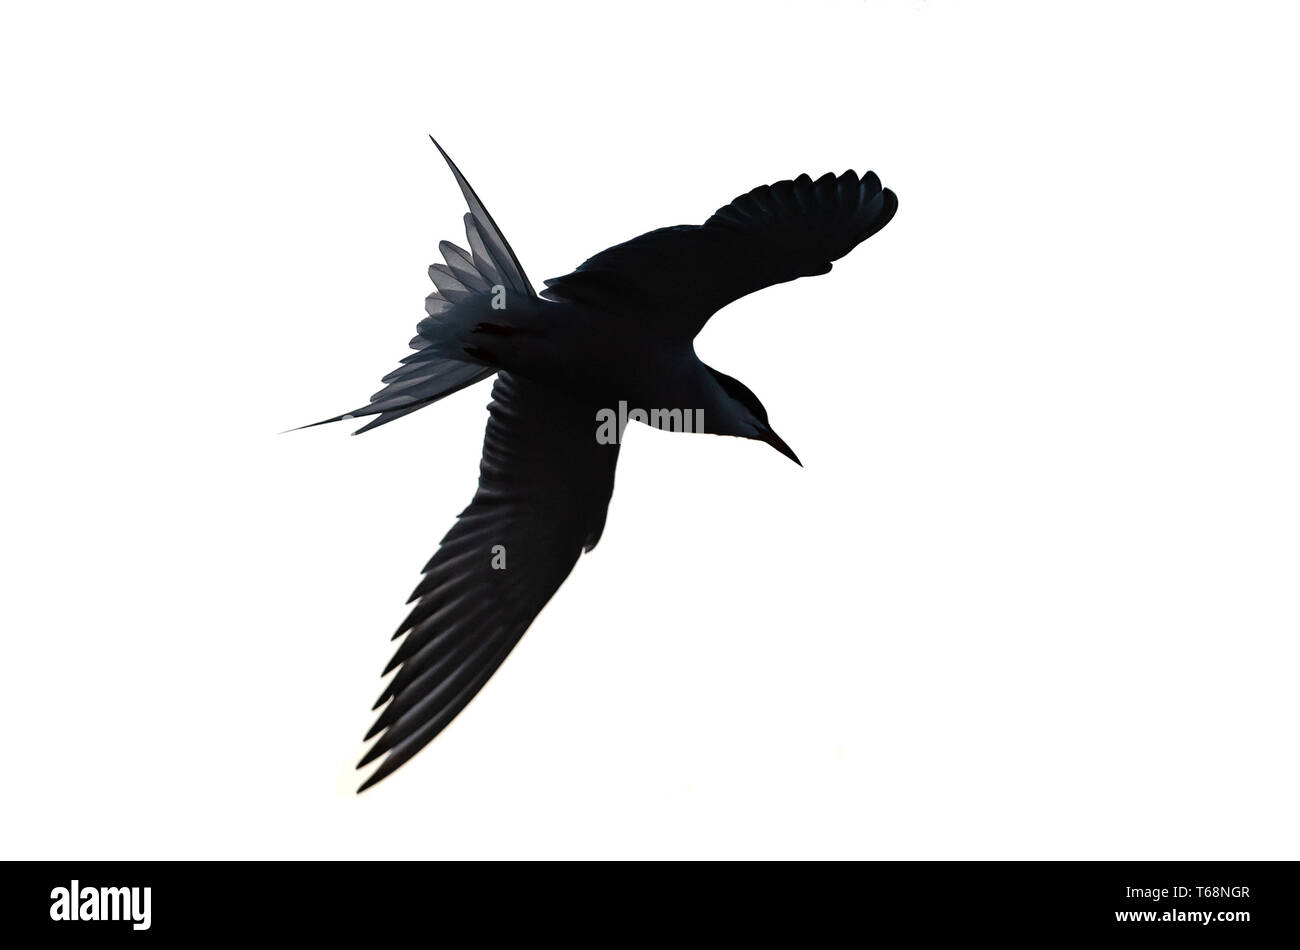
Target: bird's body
pixel 618 331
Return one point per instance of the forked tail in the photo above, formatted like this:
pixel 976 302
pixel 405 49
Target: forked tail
pixel 471 285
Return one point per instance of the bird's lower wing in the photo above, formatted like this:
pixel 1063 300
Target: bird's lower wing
pixel 544 487
pixel 682 275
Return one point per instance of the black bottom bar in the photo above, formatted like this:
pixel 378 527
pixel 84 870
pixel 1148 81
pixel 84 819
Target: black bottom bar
pixel 1237 903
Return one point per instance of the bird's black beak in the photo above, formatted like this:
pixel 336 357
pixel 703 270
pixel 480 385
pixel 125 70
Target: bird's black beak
pixel 778 443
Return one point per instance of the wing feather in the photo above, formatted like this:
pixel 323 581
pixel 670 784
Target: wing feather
pixel 682 275
pixel 544 487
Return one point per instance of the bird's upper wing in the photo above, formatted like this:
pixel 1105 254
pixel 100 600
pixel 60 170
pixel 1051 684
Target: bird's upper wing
pixel 544 487
pixel 465 282
pixel 683 275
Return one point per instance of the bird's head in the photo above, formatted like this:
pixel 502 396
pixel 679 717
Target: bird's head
pixel 741 414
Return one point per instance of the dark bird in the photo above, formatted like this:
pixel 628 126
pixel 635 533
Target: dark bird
pixel 617 332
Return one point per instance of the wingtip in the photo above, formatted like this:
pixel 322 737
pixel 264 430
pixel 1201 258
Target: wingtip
pixel 374 752
pixel 385 769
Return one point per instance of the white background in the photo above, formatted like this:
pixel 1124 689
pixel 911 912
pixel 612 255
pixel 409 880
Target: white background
pixel 1034 595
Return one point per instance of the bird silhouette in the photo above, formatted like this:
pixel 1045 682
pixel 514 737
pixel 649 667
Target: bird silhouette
pixel 616 332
